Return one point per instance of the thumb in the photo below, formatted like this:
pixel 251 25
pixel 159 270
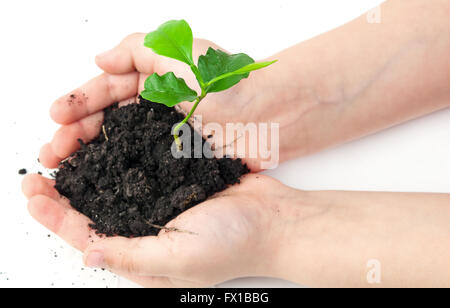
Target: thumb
pixel 137 256
pixel 129 56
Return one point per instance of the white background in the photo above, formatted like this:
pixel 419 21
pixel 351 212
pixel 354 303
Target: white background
pixel 48 49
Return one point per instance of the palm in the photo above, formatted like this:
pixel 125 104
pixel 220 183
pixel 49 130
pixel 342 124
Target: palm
pixel 207 244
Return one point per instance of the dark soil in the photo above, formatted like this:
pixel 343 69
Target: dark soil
pixel 127 180
pixel 22 171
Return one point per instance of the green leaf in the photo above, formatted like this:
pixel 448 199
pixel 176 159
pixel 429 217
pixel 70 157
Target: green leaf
pixel 167 89
pixel 172 39
pixel 240 72
pixel 217 63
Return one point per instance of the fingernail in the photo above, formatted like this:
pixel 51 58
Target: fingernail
pixel 95 259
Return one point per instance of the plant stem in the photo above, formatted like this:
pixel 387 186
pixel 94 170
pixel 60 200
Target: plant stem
pixel 198 76
pixel 178 127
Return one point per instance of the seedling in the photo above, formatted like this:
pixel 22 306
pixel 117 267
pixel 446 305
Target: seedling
pixel 216 70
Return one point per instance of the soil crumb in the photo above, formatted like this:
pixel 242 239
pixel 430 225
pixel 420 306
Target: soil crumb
pixel 22 171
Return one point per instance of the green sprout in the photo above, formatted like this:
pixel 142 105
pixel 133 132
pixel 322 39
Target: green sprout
pixel 216 71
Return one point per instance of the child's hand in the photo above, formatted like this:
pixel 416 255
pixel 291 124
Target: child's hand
pixel 233 234
pixel 126 68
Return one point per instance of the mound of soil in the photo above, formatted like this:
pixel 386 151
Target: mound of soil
pixel 127 180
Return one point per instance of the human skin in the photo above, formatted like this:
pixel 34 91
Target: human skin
pixel 264 228
pixel 347 83
pixel 355 80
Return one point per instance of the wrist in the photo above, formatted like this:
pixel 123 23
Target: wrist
pixel 302 221
pixel 286 211
pixel 268 203
pixel 300 92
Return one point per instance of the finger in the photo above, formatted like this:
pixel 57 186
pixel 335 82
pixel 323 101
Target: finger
pixel 94 96
pixel 141 84
pixel 162 282
pixel 131 100
pixel 148 282
pixel 65 140
pixel 145 256
pixel 73 228
pixel 48 158
pixel 70 225
pixel 130 55
pixel 35 184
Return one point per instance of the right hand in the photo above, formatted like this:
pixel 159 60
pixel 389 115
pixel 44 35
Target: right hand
pixel 237 233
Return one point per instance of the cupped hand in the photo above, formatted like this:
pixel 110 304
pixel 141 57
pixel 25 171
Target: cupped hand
pixel 234 234
pixel 125 69
pixel 220 239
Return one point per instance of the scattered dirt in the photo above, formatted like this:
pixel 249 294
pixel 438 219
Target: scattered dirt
pixel 127 181
pixel 22 171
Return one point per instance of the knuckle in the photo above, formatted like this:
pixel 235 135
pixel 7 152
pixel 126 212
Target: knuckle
pixel 127 263
pixel 128 260
pixel 110 87
pixel 202 41
pixel 203 44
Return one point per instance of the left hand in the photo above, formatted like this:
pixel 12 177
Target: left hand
pixel 126 67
